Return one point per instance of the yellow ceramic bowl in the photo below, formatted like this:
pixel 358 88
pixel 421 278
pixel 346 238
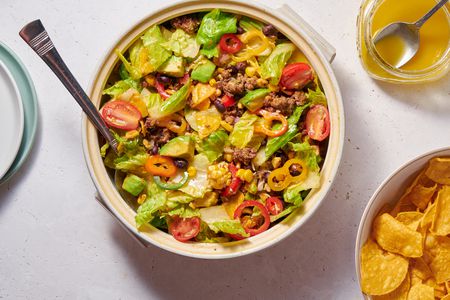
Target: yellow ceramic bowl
pixel 309 43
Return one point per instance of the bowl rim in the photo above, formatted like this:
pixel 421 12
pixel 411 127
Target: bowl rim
pixel 321 193
pixel 364 222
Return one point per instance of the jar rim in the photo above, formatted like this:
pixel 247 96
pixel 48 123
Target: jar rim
pixel 438 66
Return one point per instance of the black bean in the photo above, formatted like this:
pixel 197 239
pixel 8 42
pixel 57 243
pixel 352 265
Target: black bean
pixel 295 170
pixel 180 163
pixel 269 30
pixel 220 107
pixel 164 79
pixel 155 150
pixel 233 70
pixel 240 30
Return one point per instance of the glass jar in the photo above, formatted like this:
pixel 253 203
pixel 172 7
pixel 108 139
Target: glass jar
pixel 375 66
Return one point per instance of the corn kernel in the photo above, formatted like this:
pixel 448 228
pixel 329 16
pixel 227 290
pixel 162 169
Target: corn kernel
pixel 212 82
pixel 131 134
pixel 276 162
pixel 218 92
pixel 226 126
pixel 141 198
pixel 261 82
pixel 250 71
pixel 228 157
pixel 192 171
pixel 146 144
pixel 274 88
pixel 150 79
pixel 240 106
pixel 245 175
pixel 143 128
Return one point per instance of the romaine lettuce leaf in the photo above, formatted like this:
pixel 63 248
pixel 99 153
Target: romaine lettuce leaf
pixel 248 24
pixel 243 130
pixel 206 235
pixel 308 154
pixel 157 54
pixel 156 199
pixel 316 97
pixel 212 52
pixel 184 211
pixel 130 161
pixel 228 226
pixel 215 24
pixel 274 64
pixel 198 185
pixel 182 44
pixel 121 87
pixel 213 145
pixel 292 193
pixel 273 144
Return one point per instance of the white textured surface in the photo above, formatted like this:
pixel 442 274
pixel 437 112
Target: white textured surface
pixel 57 242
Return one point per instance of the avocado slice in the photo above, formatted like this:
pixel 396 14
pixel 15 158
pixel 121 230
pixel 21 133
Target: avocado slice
pixel 254 100
pixel 204 71
pixel 174 66
pixel 133 184
pixel 181 146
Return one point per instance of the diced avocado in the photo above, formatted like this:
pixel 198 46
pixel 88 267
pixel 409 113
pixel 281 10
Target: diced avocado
pixel 133 184
pixel 204 71
pixel 181 146
pixel 254 100
pixel 174 66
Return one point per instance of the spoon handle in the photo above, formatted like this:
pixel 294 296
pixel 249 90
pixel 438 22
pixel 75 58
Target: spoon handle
pixel 35 35
pixel 428 15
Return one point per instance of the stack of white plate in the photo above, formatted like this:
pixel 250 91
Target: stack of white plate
pixel 18 113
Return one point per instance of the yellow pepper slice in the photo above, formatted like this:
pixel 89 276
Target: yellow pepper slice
pixel 174 123
pixel 281 178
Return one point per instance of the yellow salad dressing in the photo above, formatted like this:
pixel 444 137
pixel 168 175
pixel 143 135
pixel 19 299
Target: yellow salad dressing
pixel 434 35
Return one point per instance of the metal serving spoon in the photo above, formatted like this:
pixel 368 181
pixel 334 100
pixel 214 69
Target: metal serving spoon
pixel 35 35
pixel 408 33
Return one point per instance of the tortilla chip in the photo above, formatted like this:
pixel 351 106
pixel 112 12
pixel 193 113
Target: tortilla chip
pixel 405 204
pixel 428 216
pixel 400 293
pixel 440 266
pixel 441 221
pixel 439 170
pixel 420 196
pixel 447 297
pixel 381 272
pixel 421 292
pixel 420 268
pixel 394 236
pixel 411 219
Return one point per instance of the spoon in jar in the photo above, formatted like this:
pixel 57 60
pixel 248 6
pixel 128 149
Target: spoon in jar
pixel 35 35
pixel 404 35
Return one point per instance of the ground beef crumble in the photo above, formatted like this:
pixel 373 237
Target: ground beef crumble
pixel 237 85
pixel 284 104
pixel 158 136
pixel 188 23
pixel 244 155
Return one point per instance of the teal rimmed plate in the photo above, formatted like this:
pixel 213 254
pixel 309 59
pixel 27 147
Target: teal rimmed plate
pixel 30 108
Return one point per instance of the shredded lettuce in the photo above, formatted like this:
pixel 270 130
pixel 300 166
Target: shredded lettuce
pixel 184 211
pixel 316 97
pixel 243 130
pixel 250 24
pixel 274 64
pixel 121 87
pixel 292 194
pixel 212 52
pixel 152 40
pixel 273 144
pixel 182 44
pixel 130 161
pixel 198 185
pixel 228 226
pixel 103 150
pixel 215 24
pixel 156 199
pixel 213 145
pixel 206 235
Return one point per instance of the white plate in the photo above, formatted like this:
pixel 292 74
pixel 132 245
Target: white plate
pixel 11 119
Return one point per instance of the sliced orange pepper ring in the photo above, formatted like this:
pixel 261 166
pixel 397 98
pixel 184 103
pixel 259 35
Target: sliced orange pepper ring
pixel 279 179
pixel 160 166
pixel 269 117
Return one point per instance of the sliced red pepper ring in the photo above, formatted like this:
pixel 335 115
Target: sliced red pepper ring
pixel 269 117
pixel 235 182
pixel 248 221
pixel 230 43
pixel 228 101
pixel 171 185
pixel 274 205
pixel 160 166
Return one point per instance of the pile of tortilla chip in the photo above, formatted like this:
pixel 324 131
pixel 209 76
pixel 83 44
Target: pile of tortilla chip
pixel 408 254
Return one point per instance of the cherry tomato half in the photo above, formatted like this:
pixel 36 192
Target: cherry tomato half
pixel 318 122
pixel 295 76
pixel 248 222
pixel 230 43
pixel 121 114
pixel 184 229
pixel 274 205
pixel 160 166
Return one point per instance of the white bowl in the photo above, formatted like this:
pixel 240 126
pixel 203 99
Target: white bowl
pixel 301 36
pixel 389 192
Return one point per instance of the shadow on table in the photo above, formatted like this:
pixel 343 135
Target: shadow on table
pixel 22 173
pixel 431 96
